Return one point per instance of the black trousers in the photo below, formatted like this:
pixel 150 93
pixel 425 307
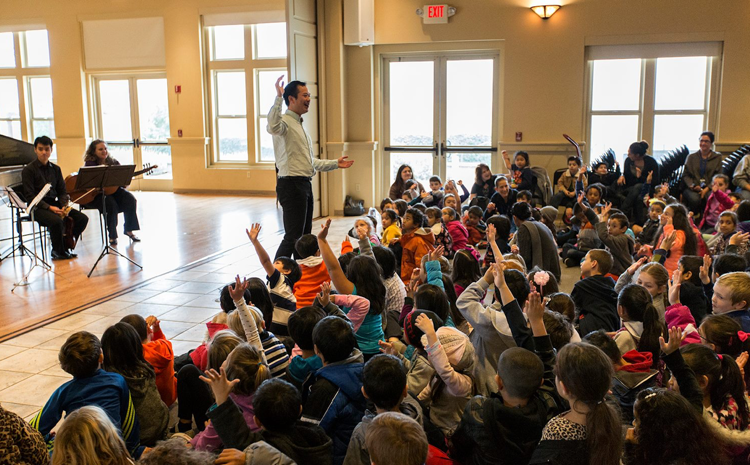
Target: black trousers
pixel 193 396
pixel 55 225
pixel 121 201
pixel 296 198
pixel 633 205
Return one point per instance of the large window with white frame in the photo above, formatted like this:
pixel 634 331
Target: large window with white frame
pixel 665 94
pixel 243 64
pixel 25 86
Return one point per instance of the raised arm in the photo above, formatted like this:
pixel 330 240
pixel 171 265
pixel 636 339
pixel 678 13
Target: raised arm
pixel 265 260
pixel 339 279
pixel 457 384
pixel 689 387
pixel 276 126
pixel 249 324
pixel 521 333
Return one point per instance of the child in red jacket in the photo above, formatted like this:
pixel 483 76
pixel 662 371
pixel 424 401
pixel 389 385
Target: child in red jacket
pixel 314 271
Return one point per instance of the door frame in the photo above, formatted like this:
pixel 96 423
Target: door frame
pixel 141 183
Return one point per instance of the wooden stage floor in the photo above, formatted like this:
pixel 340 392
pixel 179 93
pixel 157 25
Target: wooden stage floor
pixel 178 230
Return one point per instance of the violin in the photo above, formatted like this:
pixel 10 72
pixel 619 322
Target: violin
pixel 69 238
pixel 86 197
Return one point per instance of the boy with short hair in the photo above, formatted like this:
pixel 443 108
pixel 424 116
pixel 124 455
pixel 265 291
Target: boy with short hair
pixel 281 274
pixel 332 396
pixel 475 226
pixel 312 270
pixel 435 196
pixel 565 197
pixel 276 405
pixel 651 226
pixel 384 384
pixel 394 438
pixel 732 297
pixel 81 356
pixel 157 350
pixel 611 230
pixel 594 295
pixel 415 242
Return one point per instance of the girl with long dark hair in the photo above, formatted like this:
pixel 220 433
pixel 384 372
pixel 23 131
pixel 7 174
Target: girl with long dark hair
pixel 404 173
pixel 641 326
pixel 675 218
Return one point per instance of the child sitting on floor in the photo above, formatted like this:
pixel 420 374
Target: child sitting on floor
pixel 476 228
pixel 312 270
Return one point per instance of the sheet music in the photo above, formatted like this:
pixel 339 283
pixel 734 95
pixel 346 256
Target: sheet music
pixel 38 198
pixel 13 198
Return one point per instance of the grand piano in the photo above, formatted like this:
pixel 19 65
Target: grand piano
pixel 14 154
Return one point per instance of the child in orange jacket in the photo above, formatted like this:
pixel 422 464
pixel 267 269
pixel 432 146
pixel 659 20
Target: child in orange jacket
pixel 314 271
pixel 157 350
pixel 416 241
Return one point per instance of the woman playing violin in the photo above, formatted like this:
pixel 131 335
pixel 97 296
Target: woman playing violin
pixel 121 201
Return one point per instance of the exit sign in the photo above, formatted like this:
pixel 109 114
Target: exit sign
pixel 435 14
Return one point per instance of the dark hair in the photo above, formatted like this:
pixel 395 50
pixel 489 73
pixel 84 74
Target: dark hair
pixel 225 299
pixel 409 183
pixel 681 222
pixel 743 211
pixel 558 327
pixel 710 135
pixel 603 259
pixel 421 207
pixel 500 178
pixel 465 269
pixel 301 324
pixel 276 404
pixel 722 331
pixel 417 217
pixel 292 90
pixel 603 341
pixel 434 212
pixel 724 378
pixel 384 380
pixel 410 329
pixel 587 374
pixel 597 186
pixel 693 264
pixel 334 338
pixel 521 371
pixel 365 273
pixel 575 159
pixel 729 262
pixel 551 287
pixel 306 246
pixel 524 193
pixel 245 363
pixel 478 173
pixel 621 219
pixel 450 292
pixel 261 299
pixel 723 177
pixel 518 286
pixel 123 352
pixel 451 211
pixel 345 259
pixel 399 183
pixel 401 206
pixel 639 306
pixel 384 202
pixel 436 179
pixel 431 297
pixel 386 259
pixel 670 430
pixel 138 323
pixel 392 215
pixel 561 302
pixel 502 229
pixel 476 211
pixel 523 155
pixel 639 148
pixel 43 140
pixel 597 165
pixel 290 265
pixel 79 355
pixel 521 210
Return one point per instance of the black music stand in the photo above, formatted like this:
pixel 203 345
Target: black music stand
pixel 100 177
pixel 15 202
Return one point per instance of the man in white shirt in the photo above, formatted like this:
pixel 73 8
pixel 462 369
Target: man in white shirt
pixel 295 162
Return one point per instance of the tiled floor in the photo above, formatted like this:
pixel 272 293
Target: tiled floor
pixel 184 301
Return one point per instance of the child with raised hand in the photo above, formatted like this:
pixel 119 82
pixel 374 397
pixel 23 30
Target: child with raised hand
pixel 520 171
pixel 590 431
pixel 281 274
pixel 283 438
pixel 312 270
pixel 88 437
pixel 717 202
pixel 465 271
pixel 123 354
pixel 505 428
pixel 20 443
pixel 594 295
pixel 651 275
pixel 452 356
pixel 361 285
pixel 501 227
pixel 729 236
pixel 246 370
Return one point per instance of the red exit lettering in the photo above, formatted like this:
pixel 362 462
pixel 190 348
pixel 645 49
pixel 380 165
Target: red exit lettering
pixel 435 11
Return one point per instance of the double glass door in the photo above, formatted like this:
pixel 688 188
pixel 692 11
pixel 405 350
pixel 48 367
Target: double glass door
pixel 440 114
pixel 132 117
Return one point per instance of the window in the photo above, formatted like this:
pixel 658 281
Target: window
pixel 244 62
pixel 25 86
pixel 663 94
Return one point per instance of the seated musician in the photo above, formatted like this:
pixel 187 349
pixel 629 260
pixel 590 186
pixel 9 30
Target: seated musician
pixel 121 201
pixel 49 211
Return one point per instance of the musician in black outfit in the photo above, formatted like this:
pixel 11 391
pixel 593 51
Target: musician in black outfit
pixel 49 212
pixel 121 201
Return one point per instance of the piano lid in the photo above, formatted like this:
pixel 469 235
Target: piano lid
pixel 15 152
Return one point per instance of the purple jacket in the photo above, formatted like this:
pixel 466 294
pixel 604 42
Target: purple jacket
pixel 208 440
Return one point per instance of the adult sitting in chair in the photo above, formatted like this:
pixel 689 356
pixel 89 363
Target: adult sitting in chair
pixel 49 212
pixel 121 201
pixel 700 168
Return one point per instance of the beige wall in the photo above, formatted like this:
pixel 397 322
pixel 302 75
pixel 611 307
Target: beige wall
pixel 542 73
